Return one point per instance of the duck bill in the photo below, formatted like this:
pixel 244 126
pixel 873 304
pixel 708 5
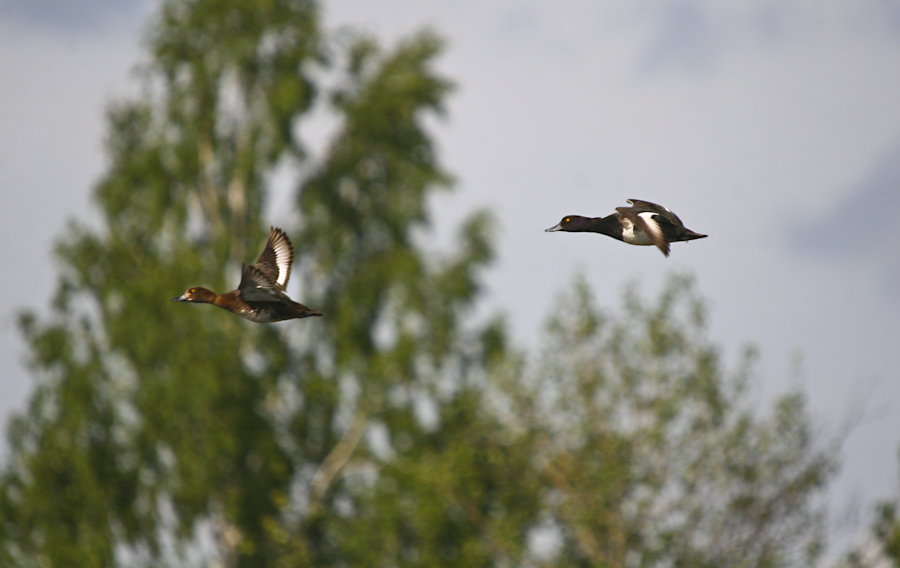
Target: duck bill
pixel 557 227
pixel 180 298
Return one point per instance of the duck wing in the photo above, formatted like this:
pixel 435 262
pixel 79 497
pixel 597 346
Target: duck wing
pixel 639 206
pixel 256 286
pixel 275 261
pixel 648 223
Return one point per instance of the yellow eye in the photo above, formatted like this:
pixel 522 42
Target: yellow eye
pixel 192 290
pixel 567 219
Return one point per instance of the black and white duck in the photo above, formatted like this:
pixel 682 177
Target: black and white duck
pixel 643 224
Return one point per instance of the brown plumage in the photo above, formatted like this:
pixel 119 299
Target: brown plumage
pixel 260 297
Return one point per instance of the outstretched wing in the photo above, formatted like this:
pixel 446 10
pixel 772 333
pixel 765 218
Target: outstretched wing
pixel 640 206
pixel 667 215
pixel 276 258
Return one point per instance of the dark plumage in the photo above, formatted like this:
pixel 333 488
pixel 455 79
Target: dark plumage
pixel 260 296
pixel 643 223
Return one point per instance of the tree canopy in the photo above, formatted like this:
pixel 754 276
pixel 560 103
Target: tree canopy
pixel 394 430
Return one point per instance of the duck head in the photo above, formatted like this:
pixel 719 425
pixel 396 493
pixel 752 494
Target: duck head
pixel 571 223
pixel 198 295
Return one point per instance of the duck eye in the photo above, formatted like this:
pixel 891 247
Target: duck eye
pixel 192 290
pixel 567 219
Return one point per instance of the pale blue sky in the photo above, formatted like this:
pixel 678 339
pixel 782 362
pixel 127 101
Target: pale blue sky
pixel 772 126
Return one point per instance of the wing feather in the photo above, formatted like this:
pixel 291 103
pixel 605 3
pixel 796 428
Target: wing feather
pixel 255 286
pixel 647 223
pixel 276 258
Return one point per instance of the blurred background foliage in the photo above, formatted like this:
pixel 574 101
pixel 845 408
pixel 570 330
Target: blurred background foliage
pixel 403 428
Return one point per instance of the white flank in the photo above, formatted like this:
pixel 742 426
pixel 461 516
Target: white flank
pixel 631 237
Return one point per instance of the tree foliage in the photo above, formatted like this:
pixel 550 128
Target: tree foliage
pixel 627 444
pixel 881 548
pixel 650 451
pixel 392 431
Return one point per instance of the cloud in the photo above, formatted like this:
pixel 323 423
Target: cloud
pixel 518 22
pixel 684 38
pixel 863 224
pixel 76 18
pixel 694 35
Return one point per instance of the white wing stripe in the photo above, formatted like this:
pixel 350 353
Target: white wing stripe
pixel 652 224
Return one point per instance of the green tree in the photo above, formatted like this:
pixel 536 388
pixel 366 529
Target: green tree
pixel 882 546
pixel 626 444
pixel 887 530
pixel 153 423
pixel 700 478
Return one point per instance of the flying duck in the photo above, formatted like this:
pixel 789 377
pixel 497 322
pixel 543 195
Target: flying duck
pixel 643 223
pixel 260 296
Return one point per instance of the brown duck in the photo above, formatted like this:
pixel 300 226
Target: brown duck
pixel 260 296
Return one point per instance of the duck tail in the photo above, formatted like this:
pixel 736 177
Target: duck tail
pixel 691 235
